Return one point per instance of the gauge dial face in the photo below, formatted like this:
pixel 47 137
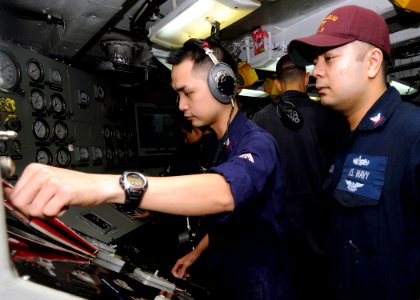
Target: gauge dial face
pixel 63 157
pixel 9 73
pixel 56 76
pixel 61 131
pixel 107 132
pixel 120 153
pixel 38 101
pixel 41 129
pixel 16 146
pixel 109 153
pixel 97 153
pixel 82 154
pixel 35 71
pixel 43 156
pixel 3 146
pixel 57 104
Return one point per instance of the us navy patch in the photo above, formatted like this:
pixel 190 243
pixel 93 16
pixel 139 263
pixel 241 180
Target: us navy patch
pixel 363 175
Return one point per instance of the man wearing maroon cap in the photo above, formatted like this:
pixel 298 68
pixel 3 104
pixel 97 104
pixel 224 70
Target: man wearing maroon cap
pixel 374 240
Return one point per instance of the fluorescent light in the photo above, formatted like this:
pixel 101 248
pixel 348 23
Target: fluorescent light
pixel 403 88
pixel 194 18
pixel 253 93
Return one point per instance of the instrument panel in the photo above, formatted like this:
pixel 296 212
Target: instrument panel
pixel 59 114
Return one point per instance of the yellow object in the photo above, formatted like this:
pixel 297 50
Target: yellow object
pixel 409 5
pixel 270 87
pixel 248 74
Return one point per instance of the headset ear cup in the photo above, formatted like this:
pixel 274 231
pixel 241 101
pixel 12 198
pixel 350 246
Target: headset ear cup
pixel 222 82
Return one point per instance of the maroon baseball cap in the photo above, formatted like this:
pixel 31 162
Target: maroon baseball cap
pixel 342 26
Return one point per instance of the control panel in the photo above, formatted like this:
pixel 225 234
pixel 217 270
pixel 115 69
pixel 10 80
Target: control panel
pixel 59 113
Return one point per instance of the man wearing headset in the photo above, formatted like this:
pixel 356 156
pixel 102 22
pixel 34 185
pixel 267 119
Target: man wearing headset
pixel 241 193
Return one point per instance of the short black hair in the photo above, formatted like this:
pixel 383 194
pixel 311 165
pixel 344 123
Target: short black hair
pixel 193 49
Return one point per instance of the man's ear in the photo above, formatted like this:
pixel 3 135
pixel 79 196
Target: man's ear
pixel 277 83
pixel 375 58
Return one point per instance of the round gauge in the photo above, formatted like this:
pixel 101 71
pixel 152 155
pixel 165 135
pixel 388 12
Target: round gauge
pixel 9 73
pixel 107 132
pixel 38 101
pixel 63 157
pixel 12 122
pixel 3 146
pixel 35 71
pixel 16 146
pixel 61 132
pixel 97 153
pixel 41 129
pixel 82 154
pixel 109 154
pixel 43 156
pixel 99 93
pixel 118 134
pixel 120 153
pixel 57 104
pixel 56 76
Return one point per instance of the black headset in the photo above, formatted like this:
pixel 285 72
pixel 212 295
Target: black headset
pixel 221 78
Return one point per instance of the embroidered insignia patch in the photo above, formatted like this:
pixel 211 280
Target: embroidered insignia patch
pixel 247 156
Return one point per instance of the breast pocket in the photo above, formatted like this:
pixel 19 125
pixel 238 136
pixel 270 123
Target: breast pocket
pixel 358 194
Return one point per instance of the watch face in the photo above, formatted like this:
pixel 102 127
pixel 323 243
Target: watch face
pixel 135 180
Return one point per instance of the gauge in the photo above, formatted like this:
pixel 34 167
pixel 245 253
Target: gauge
pixel 41 129
pixel 118 134
pixel 99 93
pixel 56 76
pixel 120 153
pixel 107 132
pixel 109 154
pixel 16 146
pixel 12 122
pixel 57 104
pixel 3 146
pixel 9 73
pixel 82 154
pixel 63 157
pixel 83 98
pixel 97 153
pixel 61 132
pixel 43 156
pixel 35 71
pixel 38 101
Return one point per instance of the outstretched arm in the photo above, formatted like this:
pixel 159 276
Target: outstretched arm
pixel 46 191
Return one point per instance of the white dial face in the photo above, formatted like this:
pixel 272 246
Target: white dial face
pixel 35 71
pixel 61 131
pixel 43 156
pixel 107 132
pixel 58 105
pixel 9 73
pixel 41 129
pixel 38 101
pixel 97 153
pixel 56 76
pixel 83 153
pixel 63 157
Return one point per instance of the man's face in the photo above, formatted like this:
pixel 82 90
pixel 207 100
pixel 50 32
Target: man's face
pixel 195 99
pixel 341 77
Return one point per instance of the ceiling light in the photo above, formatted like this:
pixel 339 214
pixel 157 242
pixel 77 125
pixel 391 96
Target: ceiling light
pixel 403 88
pixel 195 18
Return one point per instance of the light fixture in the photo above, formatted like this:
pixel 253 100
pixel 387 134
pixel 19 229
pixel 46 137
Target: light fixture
pixel 403 88
pixel 195 18
pixel 253 93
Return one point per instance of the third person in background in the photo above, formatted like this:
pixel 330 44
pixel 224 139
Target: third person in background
pixel 308 135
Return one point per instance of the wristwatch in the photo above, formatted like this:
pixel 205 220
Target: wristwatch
pixel 134 185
